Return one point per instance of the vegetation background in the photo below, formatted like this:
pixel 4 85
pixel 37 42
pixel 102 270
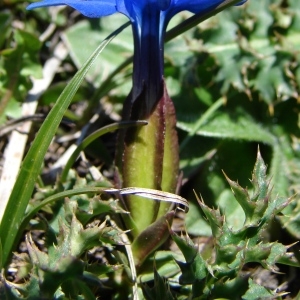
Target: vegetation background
pixel 235 82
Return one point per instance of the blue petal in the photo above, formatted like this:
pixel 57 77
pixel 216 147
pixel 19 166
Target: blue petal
pixel 163 4
pixel 242 2
pixel 89 8
pixel 194 6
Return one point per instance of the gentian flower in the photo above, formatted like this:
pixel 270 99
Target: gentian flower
pixel 149 20
pixel 147 157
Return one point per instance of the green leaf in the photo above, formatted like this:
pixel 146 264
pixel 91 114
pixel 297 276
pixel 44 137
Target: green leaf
pixel 195 268
pixel 236 125
pixel 242 197
pixel 214 217
pixel 257 291
pixel 259 180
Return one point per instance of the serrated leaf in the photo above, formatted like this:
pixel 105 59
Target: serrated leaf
pixel 195 268
pixel 243 198
pixel 277 251
pixel 259 179
pixel 257 291
pixel 37 257
pixel 214 217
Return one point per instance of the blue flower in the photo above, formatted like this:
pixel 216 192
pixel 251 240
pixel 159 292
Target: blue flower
pixel 132 8
pixel 149 20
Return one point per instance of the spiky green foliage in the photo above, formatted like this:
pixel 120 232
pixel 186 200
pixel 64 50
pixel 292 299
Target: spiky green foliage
pixel 250 52
pixel 63 269
pixel 234 248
